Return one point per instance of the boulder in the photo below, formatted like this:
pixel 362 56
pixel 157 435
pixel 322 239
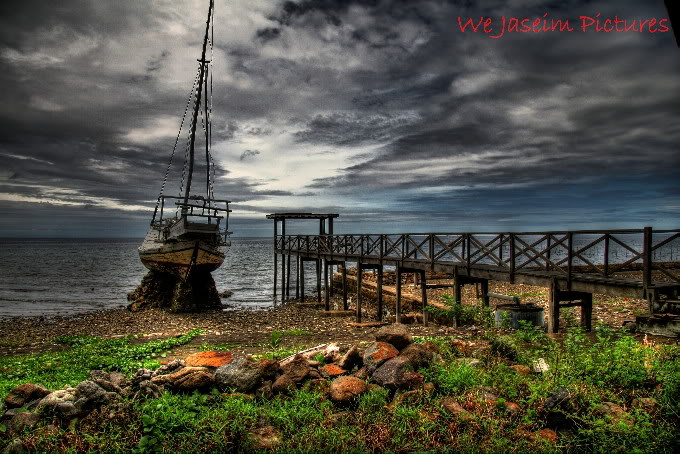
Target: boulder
pixel 149 389
pixel 361 374
pixel 377 353
pixel 269 367
pixel 264 391
pixel 350 359
pixel 89 395
pixel 265 439
pixel 512 408
pixel 346 389
pixel 60 403
pixel 24 420
pixel 143 375
pixel 23 394
pixel 613 411
pixel 186 378
pixel 110 381
pixel 521 369
pixel 297 369
pixel 209 359
pixel 332 370
pixel 283 384
pixel 395 334
pixel 172 366
pixel 397 373
pixel 242 374
pixel 559 398
pixel 419 355
pixel 455 409
pixel 546 435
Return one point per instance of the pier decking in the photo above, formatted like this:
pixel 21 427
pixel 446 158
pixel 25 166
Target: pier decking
pixel 642 263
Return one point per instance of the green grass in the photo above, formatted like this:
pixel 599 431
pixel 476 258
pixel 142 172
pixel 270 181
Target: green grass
pixel 607 366
pixel 56 369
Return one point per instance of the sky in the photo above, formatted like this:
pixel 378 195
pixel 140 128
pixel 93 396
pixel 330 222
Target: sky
pixel 383 111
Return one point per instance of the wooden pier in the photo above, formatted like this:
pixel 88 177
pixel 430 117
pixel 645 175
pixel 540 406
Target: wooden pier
pixel 572 264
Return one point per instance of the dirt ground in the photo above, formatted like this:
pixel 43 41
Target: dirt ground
pixel 251 331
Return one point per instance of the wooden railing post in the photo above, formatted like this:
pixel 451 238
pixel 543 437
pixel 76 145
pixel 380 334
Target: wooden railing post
pixel 570 257
pixel 606 254
pixel 647 259
pixel 512 258
pixel 431 252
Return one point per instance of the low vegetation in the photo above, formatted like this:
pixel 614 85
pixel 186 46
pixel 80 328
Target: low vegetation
pixel 596 369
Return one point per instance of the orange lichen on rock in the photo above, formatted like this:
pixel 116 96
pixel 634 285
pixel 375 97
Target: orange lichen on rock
pixel 209 359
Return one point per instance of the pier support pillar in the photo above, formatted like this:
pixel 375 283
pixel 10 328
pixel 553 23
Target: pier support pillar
pixel 288 277
pixel 318 280
pixel 423 287
pixel 380 293
pixel 302 280
pixel 359 285
pixel 559 299
pixel 344 286
pixel 327 290
pixel 398 304
pixel 485 292
pixel 283 262
pixel 297 277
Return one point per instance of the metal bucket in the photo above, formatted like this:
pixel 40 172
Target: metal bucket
pixel 517 312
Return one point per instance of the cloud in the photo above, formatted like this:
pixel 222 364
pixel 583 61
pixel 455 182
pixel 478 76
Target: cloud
pixel 248 155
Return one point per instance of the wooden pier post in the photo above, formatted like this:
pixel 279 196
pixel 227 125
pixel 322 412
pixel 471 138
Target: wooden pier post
pixel 485 292
pixel 344 286
pixel 283 261
pixel 327 290
pixel 398 304
pixel 587 311
pixel 423 286
pixel 276 265
pixel 380 293
pixel 297 277
pixel 359 285
pixel 554 307
pixel 457 287
pixel 302 280
pixel 318 280
pixel 288 275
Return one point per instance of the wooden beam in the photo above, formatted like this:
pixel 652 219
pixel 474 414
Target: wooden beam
pixel 359 284
pixel 344 286
pixel 327 292
pixel 423 281
pixel 554 307
pixel 398 304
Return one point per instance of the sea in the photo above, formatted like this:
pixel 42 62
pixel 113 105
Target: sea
pixel 46 277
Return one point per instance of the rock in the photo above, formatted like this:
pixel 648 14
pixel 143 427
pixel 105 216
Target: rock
pixel 361 374
pixel 196 380
pixel 419 355
pixel 613 411
pixel 646 404
pixel 547 435
pixel 60 403
pixel 630 326
pixel 209 359
pixel 377 353
pixel 172 366
pixel 110 381
pixel 264 391
pixel 332 370
pixel 489 395
pixel 23 394
pixel 141 376
pixel 429 387
pixel 557 399
pixel 283 384
pixel 397 373
pixel 455 409
pixel 89 395
pixel 405 397
pixel 242 374
pixel 268 367
pixel 149 389
pixel 265 438
pixel 521 369
pixel 24 420
pixel 395 334
pixel 512 408
pixel 540 366
pixel 350 359
pixel 332 354
pixel 297 369
pixel 345 389
pixel 313 375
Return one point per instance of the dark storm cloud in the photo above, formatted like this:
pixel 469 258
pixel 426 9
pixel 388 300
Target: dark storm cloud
pixel 436 124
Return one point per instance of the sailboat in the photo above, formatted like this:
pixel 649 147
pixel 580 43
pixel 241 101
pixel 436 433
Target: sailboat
pixel 193 238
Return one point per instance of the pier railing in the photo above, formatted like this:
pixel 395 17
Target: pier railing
pixel 565 253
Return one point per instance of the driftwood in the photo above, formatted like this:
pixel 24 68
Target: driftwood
pixel 326 349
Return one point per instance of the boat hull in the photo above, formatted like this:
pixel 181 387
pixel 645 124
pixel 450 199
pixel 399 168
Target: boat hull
pixel 176 257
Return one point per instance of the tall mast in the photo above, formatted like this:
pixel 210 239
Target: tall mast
pixel 197 105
